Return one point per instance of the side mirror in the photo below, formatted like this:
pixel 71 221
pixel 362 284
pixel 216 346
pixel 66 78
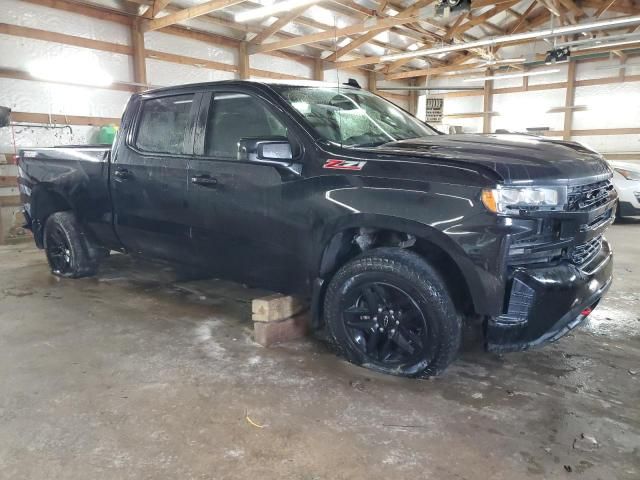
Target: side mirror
pixel 5 116
pixel 274 150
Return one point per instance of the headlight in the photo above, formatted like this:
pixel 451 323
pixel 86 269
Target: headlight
pixel 512 199
pixel 628 174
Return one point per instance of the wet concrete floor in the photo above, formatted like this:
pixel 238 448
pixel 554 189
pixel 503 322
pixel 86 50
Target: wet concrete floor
pixel 135 374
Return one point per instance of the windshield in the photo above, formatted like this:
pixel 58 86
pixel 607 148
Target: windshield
pixel 353 118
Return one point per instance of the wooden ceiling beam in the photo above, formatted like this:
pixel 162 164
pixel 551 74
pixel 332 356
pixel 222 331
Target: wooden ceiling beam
pixel 188 13
pixel 463 57
pixel 475 4
pixel 158 6
pixel 524 18
pixel 278 25
pixel 619 7
pixel 459 30
pixel 366 26
pixel 603 9
pixel 461 18
pixel 367 37
pixel 86 10
pixel 572 7
pixel 480 19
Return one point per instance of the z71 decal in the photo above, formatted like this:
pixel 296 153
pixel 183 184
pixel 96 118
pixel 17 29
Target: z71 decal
pixel 344 164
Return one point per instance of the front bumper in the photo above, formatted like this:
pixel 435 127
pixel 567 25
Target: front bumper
pixel 547 302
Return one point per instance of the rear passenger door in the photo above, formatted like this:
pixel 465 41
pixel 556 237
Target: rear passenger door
pixel 149 178
pixel 237 207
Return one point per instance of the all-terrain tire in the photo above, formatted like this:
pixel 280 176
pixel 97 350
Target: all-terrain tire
pixel 63 235
pixel 409 273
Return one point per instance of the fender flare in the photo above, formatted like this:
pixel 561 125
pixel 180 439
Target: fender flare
pixel 456 254
pixel 45 200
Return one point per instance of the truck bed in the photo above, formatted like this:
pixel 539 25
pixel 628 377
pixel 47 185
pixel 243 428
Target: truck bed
pixel 72 177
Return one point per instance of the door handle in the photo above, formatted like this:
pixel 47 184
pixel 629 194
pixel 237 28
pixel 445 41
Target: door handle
pixel 122 173
pixel 204 180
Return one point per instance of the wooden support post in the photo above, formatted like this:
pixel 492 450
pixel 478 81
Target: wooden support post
pixel 243 61
pixel 139 62
pixel 372 82
pixel 318 70
pixel 413 98
pixel 569 101
pixel 487 104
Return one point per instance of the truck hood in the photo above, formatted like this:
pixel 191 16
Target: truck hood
pixel 516 158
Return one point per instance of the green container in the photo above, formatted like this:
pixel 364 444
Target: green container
pixel 107 134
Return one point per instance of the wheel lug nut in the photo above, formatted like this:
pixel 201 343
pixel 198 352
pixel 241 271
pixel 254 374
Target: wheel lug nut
pixel 391 312
pixel 379 309
pixel 393 330
pixel 381 329
pixel 376 325
pixel 397 322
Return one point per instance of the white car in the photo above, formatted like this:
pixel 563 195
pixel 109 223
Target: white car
pixel 626 180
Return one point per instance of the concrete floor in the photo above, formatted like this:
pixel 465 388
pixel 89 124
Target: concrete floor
pixel 136 375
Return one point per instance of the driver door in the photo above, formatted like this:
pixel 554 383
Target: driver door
pixel 242 224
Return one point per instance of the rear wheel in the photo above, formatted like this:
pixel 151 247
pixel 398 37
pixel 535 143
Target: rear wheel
pixel 390 311
pixel 69 252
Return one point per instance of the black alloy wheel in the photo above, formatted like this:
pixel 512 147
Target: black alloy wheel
pixel 385 324
pixel 69 250
pixel 58 251
pixel 390 311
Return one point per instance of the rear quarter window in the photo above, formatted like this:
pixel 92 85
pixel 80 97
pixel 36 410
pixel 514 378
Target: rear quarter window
pixel 163 124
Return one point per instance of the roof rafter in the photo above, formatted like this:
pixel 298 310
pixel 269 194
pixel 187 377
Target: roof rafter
pixel 572 7
pixel 157 7
pixel 366 26
pixel 459 58
pixel 187 13
pixel 605 6
pixel 460 29
pixel 277 25
pixel 408 12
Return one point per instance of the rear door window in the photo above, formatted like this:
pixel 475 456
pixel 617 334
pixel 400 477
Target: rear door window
pixel 233 116
pixel 164 124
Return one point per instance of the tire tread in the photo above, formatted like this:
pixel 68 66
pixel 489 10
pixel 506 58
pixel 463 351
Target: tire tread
pixel 413 267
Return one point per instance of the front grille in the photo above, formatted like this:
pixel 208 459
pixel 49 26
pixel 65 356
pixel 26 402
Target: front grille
pixel 584 252
pixel 586 197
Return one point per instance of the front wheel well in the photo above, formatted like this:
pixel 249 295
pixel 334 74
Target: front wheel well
pixel 348 244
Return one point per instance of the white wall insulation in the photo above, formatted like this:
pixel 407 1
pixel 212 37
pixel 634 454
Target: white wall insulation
pixel 615 105
pixel 188 47
pixel 31 15
pixel 279 64
pixel 19 53
pixel 522 110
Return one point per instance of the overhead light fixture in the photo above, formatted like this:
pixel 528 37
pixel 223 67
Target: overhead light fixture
pixel 557 55
pixel 445 7
pixel 81 71
pixel 549 32
pixel 513 75
pixel 611 44
pixel 600 40
pixel 261 12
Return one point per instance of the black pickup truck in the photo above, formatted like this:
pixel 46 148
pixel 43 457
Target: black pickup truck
pixel 396 233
